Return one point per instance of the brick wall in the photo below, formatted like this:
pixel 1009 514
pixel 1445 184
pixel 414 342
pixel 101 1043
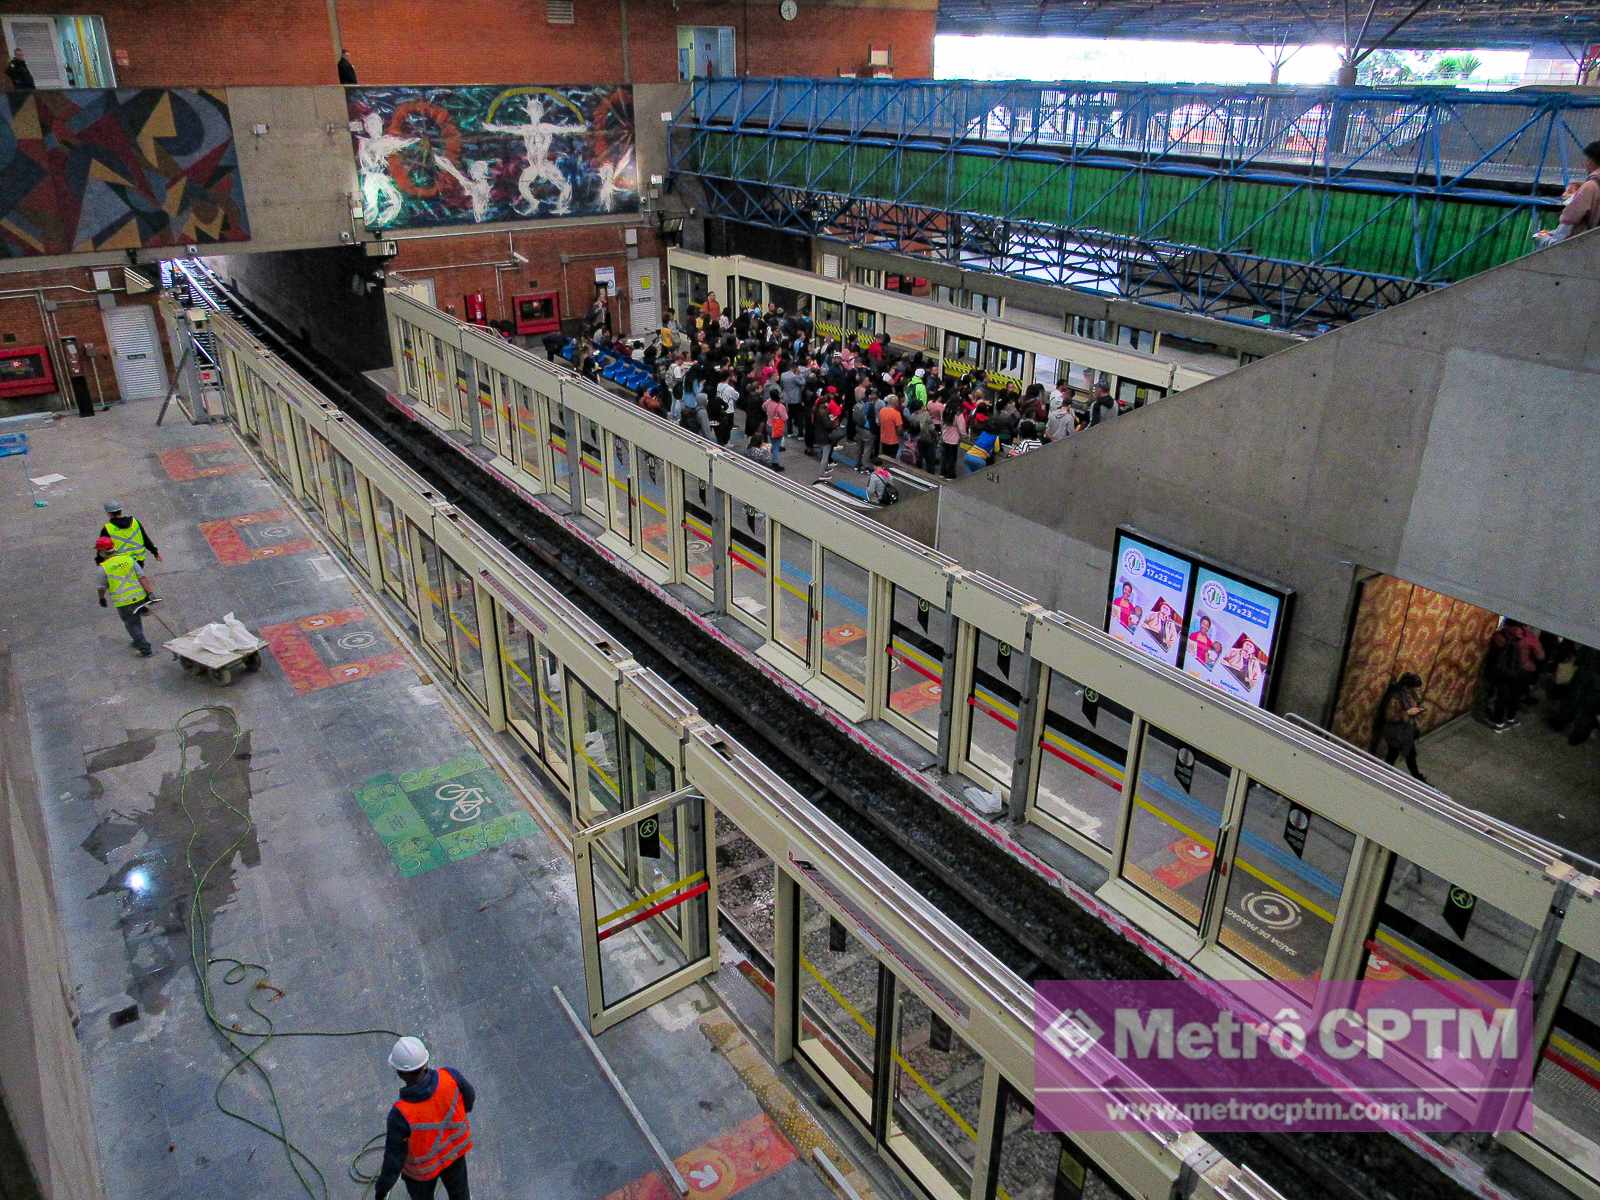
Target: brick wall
pixel 77 315
pixel 289 42
pixel 175 43
pixel 437 259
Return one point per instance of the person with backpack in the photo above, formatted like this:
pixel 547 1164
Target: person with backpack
pixel 881 489
pixel 688 408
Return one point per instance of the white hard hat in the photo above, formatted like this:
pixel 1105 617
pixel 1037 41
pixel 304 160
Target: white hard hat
pixel 409 1054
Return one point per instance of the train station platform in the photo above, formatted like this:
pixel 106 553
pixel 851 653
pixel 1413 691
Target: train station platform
pixel 373 865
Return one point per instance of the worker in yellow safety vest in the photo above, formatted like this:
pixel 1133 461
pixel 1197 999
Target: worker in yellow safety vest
pixel 127 534
pixel 428 1132
pixel 122 583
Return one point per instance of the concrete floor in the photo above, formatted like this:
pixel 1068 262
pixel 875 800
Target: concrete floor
pixel 350 934
pixel 1527 775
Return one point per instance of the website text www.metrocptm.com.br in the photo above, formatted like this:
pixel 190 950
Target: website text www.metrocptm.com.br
pixel 1270 1113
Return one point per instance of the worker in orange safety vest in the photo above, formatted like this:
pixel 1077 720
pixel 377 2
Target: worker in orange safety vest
pixel 428 1133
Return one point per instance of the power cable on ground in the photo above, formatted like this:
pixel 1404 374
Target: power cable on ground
pixel 239 971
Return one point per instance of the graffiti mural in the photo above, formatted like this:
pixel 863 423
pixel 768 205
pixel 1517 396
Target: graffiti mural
pixel 133 169
pixel 466 155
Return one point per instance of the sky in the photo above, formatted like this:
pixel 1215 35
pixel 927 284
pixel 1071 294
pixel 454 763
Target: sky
pixel 1127 60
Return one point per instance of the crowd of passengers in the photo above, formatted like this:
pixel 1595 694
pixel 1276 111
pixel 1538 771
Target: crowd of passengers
pixel 765 381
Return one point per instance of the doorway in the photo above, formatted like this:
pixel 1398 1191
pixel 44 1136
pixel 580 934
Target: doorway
pixel 136 351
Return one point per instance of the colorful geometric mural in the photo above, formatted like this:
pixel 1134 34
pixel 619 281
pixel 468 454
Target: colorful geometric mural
pixel 469 155
pixel 85 170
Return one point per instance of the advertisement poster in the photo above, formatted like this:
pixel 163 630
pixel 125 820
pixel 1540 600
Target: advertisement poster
pixel 1149 598
pixel 1233 635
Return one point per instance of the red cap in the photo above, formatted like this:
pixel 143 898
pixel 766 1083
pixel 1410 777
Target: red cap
pixel 832 391
pixel 104 543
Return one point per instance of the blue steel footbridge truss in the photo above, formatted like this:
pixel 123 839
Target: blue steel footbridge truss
pixel 1308 205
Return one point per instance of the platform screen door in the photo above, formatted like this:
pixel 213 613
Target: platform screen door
pixel 643 942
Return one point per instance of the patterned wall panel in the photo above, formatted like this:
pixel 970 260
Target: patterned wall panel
pixel 1402 627
pixel 471 155
pixel 128 169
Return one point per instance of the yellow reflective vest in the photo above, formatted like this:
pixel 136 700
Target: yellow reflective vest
pixel 122 580
pixel 128 539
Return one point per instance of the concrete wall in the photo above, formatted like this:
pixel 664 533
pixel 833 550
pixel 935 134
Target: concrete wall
pixel 309 293
pixel 1453 441
pixel 300 175
pixel 41 1073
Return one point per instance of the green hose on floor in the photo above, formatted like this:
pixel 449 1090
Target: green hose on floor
pixel 239 972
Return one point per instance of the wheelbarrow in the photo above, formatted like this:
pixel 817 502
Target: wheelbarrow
pixel 221 669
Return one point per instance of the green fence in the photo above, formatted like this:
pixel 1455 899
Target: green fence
pixel 1429 238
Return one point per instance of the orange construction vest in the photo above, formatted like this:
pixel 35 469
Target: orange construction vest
pixel 440 1131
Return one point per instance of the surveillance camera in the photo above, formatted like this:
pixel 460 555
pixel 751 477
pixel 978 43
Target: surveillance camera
pixel 192 251
pixel 519 257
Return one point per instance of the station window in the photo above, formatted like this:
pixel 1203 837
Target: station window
pixel 482 382
pixel 655 517
pixel 992 704
pixel 552 707
pixel 1083 754
pixel 706 52
pixel 283 436
pixel 619 472
pixel 791 302
pixel 747 562
pixel 592 475
pixel 830 318
pixel 1172 833
pixel 62 51
pixel 1031 1162
pixel 861 322
pixel 516 412
pixel 839 1005
pixel 749 293
pixel 390 556
pixel 350 502
pixel 698 567
pixel 960 354
pixel 326 490
pixel 461 597
pixel 1005 365
pixel 310 490
pixel 1131 394
pixel 560 464
pixel 1096 329
pixel 517 652
pixel 1419 933
pixel 915 678
pixel 844 623
pixel 434 621
pixel 650 777
pixel 936 1092
pixel 1281 902
pixel 596 793
pixel 689 289
pixel 1142 340
pixel 1566 1083
pixel 792 594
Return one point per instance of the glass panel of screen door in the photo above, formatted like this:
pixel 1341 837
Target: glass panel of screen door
pixel 1172 835
pixel 938 1085
pixel 839 996
pixel 648 929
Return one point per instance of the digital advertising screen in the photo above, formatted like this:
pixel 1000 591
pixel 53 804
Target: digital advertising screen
pixel 1233 634
pixel 1149 598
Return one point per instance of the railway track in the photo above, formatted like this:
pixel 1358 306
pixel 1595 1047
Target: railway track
pixel 1015 914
